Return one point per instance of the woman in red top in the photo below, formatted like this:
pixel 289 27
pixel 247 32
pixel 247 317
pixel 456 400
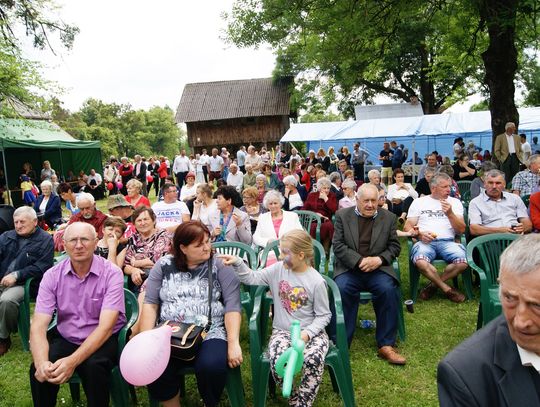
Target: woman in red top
pixel 134 194
pixel 305 177
pixel 324 203
pixel 162 171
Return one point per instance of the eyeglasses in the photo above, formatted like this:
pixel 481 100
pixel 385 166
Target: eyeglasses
pixel 83 240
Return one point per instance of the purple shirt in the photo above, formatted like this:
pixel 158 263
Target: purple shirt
pixel 80 302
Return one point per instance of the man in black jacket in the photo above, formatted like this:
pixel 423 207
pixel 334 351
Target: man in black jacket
pixel 139 169
pixel 499 365
pixel 25 252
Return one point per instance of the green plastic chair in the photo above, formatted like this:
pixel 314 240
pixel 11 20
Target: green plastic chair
pixel 307 218
pixel 23 322
pixel 245 252
pixel 466 199
pixel 414 274
pixel 319 262
pixel 234 387
pixel 464 186
pixel 526 199
pixel 483 255
pixel 365 296
pixel 119 387
pixel 337 358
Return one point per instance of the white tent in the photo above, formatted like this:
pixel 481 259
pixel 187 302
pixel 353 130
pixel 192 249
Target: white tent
pixel 430 132
pixel 429 125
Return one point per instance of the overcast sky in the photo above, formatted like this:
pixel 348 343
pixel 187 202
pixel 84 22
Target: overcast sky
pixel 144 52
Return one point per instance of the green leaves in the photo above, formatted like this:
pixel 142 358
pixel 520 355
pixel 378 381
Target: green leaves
pixel 122 130
pixel 357 49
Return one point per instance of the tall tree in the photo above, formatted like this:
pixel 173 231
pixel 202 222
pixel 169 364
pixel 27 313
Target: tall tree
pixel 500 60
pixel 355 50
pixel 438 50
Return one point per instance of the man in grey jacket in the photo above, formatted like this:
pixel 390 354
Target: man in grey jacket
pixel 365 245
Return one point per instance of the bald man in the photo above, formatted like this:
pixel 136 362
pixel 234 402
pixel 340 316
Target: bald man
pixel 87 293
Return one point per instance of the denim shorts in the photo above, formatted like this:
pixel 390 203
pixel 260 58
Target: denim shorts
pixel 447 250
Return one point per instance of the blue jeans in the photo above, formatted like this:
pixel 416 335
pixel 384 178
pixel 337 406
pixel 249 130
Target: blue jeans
pixel 384 289
pixel 447 250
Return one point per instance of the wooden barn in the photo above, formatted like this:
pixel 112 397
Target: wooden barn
pixel 233 113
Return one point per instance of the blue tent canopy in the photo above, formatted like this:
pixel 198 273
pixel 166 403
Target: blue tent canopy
pixel 422 134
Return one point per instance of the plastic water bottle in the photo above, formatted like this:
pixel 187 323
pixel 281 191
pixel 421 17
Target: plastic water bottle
pixel 367 324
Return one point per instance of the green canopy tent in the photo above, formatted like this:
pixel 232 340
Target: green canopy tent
pixel 34 141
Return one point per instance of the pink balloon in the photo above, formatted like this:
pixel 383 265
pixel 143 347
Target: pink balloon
pixel 149 178
pixel 119 185
pixel 145 357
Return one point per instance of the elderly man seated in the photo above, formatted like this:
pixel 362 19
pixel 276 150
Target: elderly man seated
pixel 438 218
pixel 497 211
pixel 235 177
pixel 526 182
pixel 499 364
pixel 86 292
pixel 88 213
pixel 25 252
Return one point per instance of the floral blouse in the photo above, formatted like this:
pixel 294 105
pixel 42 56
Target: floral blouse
pixel 152 248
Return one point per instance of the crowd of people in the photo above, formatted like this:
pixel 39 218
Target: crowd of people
pixel 251 197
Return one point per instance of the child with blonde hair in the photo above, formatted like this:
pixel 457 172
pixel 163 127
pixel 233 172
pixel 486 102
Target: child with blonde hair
pixel 299 293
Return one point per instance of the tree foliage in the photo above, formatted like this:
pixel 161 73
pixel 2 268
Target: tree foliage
pixel 120 129
pixel 38 20
pixel 355 50
pixel 349 51
pixel 20 78
pixel 17 77
pixel 531 78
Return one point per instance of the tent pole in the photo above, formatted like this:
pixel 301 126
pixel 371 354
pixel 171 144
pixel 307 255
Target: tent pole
pixel 61 166
pixel 413 160
pixel 9 201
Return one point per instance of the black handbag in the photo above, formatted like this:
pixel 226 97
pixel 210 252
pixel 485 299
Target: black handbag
pixel 187 338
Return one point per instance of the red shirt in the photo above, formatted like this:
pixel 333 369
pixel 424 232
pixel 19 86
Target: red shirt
pixel 306 180
pixel 143 201
pixel 96 221
pixel 162 170
pixel 534 207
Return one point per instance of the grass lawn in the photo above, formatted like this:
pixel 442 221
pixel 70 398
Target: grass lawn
pixel 433 329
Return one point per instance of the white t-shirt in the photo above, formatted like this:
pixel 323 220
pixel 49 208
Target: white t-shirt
pixel 526 150
pixel 235 180
pixel 169 214
pixel 295 201
pixel 431 217
pixel 188 191
pixel 215 163
pixel 204 212
pixel 43 205
pixel 181 164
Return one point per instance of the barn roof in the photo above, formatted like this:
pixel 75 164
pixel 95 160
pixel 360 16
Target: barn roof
pixel 233 99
